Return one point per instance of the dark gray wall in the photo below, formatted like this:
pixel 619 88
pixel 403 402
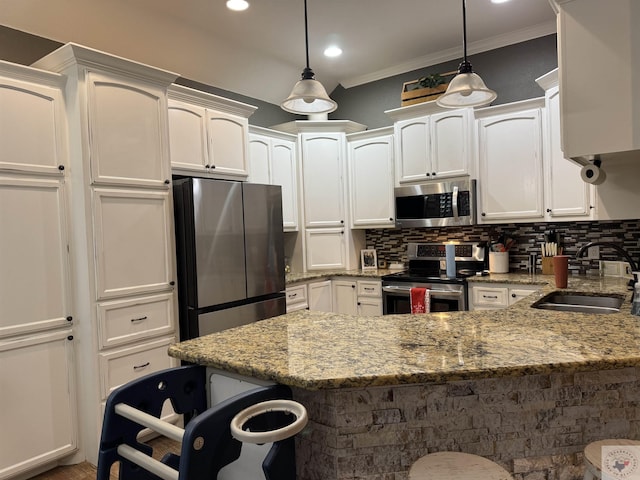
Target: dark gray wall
pixel 510 71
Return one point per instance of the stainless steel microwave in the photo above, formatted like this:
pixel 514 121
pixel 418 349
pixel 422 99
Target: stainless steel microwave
pixel 436 204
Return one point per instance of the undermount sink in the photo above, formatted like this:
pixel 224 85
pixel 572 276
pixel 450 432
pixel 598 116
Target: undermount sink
pixel 579 303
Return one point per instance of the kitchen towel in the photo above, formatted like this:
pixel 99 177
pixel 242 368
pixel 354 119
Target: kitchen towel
pixel 420 300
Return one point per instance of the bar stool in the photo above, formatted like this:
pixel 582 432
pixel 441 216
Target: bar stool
pixel 593 456
pixel 456 466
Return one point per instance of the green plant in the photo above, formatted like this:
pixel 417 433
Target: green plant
pixel 430 81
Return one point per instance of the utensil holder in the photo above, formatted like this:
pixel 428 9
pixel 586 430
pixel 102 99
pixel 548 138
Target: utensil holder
pixel 499 262
pixel 547 265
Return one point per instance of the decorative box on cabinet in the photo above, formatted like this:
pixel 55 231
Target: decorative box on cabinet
pixel 371 178
pixel 566 195
pixel 121 216
pixel 273 160
pixel 208 134
pixel 510 182
pixel 431 142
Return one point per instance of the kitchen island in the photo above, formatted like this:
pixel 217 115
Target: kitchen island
pixel 527 388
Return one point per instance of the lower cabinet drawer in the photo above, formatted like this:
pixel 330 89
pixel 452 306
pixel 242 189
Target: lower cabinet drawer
pixel 296 298
pixel 128 321
pixel 490 297
pixel 369 289
pixel 118 367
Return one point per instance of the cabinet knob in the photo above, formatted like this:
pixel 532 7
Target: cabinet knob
pixel 70 337
pixel 513 295
pixel 483 214
pixel 61 167
pixel 213 166
pixel 353 286
pixel 433 174
pixel 69 318
pixel 591 207
pixel 548 210
pixel 342 222
pixel 359 303
pixel 207 166
pixel 428 174
pixel 167 182
pixel 390 219
pixel 172 283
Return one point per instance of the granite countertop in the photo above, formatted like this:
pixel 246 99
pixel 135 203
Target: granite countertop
pixel 315 350
pixel 293 278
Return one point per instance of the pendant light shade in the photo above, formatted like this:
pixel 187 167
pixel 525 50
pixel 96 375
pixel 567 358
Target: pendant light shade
pixel 308 95
pixel 467 88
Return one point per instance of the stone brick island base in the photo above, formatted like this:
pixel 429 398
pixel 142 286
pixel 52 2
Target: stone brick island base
pixel 535 426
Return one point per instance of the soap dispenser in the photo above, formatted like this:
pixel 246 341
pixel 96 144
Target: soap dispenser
pixel 635 306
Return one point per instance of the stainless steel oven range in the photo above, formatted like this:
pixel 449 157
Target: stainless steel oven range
pixel 427 269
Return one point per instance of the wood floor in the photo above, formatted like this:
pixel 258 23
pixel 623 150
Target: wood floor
pixel 86 471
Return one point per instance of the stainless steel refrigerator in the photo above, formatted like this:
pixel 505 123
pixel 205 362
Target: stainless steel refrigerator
pixel 230 254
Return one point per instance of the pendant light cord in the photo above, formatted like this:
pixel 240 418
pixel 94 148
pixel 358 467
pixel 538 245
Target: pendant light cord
pixel 306 33
pixel 464 29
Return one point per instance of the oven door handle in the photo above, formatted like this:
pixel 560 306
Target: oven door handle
pixel 407 291
pixel 454 202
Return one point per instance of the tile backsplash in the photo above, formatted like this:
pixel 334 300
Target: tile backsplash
pixel 390 244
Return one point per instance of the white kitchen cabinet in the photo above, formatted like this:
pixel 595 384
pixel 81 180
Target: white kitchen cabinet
pixel 37 370
pixel 510 162
pixel 371 179
pixel 595 39
pixel 492 296
pixel 320 296
pixel 345 297
pixel 326 249
pixel 273 161
pixel 133 235
pixel 431 142
pixel 323 174
pixel 35 260
pixel 38 404
pixel 121 220
pixel 32 108
pixel 296 298
pixel 352 296
pixel 128 131
pixel 208 134
pixel 566 195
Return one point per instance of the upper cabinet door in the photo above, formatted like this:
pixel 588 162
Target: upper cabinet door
pixel 34 291
pixel 412 150
pixel 128 132
pixel 187 135
pixel 283 173
pixel 32 128
pixel 371 181
pixel 322 171
pixel 450 147
pixel 228 143
pixel 511 183
pixel 259 159
pixel 133 242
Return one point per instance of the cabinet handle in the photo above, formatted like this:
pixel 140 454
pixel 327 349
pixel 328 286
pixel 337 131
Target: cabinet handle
pixel 368 289
pixel 69 318
pixel 139 319
pixel 293 295
pixel 490 296
pixel 548 210
pixel 61 167
pixel 139 367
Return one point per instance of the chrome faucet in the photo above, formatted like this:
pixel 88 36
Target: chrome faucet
pixel 622 252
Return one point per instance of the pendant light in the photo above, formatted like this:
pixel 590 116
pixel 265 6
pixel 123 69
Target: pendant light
pixel 308 95
pixel 467 88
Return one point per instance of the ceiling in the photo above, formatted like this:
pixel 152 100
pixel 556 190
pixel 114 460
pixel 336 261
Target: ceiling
pixel 260 52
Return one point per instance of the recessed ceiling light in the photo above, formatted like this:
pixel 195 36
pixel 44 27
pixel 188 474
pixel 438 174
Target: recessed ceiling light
pixel 333 51
pixel 237 5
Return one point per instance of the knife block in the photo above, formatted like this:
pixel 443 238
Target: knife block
pixel 547 265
